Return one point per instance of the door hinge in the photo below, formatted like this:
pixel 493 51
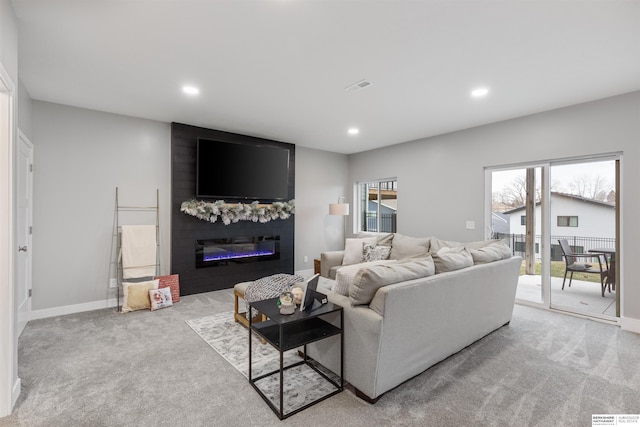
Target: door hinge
pixel 31 167
pixel 31 229
pixel 30 292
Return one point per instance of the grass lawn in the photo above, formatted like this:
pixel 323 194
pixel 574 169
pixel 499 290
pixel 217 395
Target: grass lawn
pixel 557 270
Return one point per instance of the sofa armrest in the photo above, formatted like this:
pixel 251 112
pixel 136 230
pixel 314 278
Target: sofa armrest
pixel 328 260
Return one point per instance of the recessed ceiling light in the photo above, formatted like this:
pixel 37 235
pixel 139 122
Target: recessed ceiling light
pixel 479 92
pixel 353 131
pixel 190 90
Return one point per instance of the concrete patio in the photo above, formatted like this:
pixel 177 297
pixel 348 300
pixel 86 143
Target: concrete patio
pixel 580 297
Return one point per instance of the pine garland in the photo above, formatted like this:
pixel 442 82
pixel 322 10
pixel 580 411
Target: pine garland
pixel 232 213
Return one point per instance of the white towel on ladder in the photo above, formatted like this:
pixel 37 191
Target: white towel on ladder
pixel 138 251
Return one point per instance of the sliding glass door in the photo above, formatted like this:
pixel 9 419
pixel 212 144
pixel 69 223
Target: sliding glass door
pixel 541 209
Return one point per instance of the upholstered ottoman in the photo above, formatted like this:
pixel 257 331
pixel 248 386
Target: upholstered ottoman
pixel 238 292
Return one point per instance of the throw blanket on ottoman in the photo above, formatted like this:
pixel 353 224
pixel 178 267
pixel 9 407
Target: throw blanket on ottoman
pixel 269 287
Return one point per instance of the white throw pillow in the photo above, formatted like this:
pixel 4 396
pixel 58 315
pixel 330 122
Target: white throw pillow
pixel 160 298
pixel 353 249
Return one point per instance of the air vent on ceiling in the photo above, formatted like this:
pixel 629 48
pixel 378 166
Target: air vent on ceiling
pixel 362 84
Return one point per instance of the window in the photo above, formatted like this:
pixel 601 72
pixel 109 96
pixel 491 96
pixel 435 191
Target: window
pixel 378 205
pixel 523 220
pixel 567 221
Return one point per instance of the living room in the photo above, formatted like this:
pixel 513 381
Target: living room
pixel 82 153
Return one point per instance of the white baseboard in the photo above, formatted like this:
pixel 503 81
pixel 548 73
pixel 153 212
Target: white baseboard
pixel 631 325
pixel 15 393
pixel 70 309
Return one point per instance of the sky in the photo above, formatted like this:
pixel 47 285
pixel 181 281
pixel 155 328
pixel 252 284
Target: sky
pixel 561 174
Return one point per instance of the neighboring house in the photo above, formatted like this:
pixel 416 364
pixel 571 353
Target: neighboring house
pixel 387 214
pixel 586 223
pixel 500 223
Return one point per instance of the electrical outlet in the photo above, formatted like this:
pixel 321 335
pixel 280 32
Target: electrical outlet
pixel 471 225
pixel 113 283
pixel 306 259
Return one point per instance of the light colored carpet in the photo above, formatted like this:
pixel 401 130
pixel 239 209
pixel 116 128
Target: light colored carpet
pixel 302 384
pixel 147 368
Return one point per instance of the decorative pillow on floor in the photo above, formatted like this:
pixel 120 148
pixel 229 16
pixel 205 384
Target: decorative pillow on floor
pixel 136 295
pixel 160 298
pixel 368 280
pixel 407 246
pixel 375 252
pixel 345 275
pixel 451 259
pixel 353 249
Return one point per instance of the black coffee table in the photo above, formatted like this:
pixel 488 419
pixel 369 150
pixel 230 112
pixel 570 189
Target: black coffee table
pixel 286 332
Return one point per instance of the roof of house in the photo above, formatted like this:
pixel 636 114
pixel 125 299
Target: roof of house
pixel 568 196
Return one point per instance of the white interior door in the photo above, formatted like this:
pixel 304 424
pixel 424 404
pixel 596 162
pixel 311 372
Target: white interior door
pixel 24 200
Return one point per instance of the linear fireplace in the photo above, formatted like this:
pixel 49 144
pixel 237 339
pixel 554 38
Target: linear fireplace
pixel 242 249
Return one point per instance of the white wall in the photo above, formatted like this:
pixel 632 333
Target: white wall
pixel 81 156
pixel 25 111
pixel 441 179
pixel 321 177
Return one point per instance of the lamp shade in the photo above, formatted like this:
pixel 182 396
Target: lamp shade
pixel 339 209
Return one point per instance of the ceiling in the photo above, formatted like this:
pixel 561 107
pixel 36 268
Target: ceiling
pixel 278 69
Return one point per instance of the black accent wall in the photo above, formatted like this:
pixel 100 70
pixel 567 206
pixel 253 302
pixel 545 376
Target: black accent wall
pixel 186 229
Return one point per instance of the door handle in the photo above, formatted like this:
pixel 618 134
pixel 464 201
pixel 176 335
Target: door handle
pixel 22 249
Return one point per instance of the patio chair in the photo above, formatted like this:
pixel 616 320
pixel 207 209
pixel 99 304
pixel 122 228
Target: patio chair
pixel 573 265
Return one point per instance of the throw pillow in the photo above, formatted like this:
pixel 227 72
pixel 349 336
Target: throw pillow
pixel 406 246
pixel 160 298
pixel 494 251
pixel 345 275
pixel 368 280
pixel 450 259
pixel 437 244
pixel 353 248
pixel 136 295
pixel 384 239
pixel 374 252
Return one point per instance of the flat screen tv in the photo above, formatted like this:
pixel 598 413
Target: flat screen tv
pixel 230 170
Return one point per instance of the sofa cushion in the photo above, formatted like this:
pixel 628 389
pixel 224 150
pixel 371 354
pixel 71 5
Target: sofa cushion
pixel 437 244
pixel 346 274
pixel 406 246
pixel 368 280
pixel 353 249
pixel 494 251
pixel 384 239
pixel 450 259
pixel 374 252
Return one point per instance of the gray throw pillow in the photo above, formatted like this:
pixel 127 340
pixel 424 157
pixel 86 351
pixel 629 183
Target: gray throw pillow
pixel 406 246
pixel 384 239
pixel 494 251
pixel 367 281
pixel 451 259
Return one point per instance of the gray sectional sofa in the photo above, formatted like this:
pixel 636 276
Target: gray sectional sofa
pixel 410 325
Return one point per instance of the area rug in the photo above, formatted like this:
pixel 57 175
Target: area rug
pixel 302 384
